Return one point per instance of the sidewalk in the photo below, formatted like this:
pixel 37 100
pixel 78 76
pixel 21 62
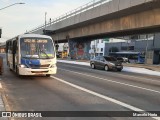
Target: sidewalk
pixel 150 67
pixel 2 105
pixel 2 108
pixel 1 101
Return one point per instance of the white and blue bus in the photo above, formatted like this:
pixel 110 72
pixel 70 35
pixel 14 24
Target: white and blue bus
pixel 133 57
pixel 31 54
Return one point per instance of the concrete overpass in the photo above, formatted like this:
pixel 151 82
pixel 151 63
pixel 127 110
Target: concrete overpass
pixel 105 18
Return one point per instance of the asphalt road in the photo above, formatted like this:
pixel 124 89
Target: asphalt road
pixel 80 88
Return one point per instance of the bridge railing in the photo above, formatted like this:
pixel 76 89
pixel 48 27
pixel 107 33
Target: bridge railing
pixel 88 6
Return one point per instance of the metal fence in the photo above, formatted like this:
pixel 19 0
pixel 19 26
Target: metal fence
pixel 74 12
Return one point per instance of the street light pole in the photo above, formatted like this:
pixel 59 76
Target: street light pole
pixel 146 54
pixel 45 19
pixel 7 7
pixel 10 5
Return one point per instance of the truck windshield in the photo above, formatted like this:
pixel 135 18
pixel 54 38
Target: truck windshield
pixel 36 48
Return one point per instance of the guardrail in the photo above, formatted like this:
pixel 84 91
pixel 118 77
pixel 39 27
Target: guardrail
pixel 74 12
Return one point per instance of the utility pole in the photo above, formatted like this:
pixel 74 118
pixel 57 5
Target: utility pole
pixel 146 56
pixel 68 50
pixel 5 8
pixel 45 19
pixel 95 41
pixel 50 20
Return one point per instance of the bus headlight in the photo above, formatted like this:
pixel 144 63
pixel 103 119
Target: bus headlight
pixel 53 66
pixel 22 66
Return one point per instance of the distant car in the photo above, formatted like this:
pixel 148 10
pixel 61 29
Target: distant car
pixel 58 56
pixel 106 62
pixel 123 59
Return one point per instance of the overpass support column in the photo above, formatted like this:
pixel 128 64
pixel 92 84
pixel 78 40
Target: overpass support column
pixel 79 49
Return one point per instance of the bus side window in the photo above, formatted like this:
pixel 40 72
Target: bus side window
pixel 10 47
pixel 14 47
pixel 6 47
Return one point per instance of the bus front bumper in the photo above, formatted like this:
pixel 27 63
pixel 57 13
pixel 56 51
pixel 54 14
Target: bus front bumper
pixel 29 71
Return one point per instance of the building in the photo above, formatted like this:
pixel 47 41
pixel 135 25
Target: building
pixel 63 50
pixel 63 47
pixel 97 48
pixel 148 44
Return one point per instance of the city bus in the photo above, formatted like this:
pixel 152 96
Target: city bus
pixel 133 57
pixel 31 54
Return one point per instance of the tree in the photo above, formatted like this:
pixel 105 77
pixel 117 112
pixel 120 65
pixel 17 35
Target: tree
pixel 113 49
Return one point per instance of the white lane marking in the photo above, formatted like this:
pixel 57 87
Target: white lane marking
pixel 147 89
pixel 146 79
pixel 102 96
pixel 0 86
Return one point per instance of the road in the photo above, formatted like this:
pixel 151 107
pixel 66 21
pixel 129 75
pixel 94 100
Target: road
pixel 80 88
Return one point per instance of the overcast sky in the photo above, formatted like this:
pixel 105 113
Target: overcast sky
pixel 18 19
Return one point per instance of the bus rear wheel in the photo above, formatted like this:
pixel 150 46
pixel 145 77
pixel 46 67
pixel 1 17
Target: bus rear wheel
pixel 17 72
pixel 9 67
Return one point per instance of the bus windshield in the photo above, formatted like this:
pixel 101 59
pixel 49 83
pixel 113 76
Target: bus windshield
pixel 33 48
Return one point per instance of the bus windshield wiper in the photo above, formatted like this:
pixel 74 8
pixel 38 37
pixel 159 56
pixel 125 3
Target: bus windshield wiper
pixel 45 53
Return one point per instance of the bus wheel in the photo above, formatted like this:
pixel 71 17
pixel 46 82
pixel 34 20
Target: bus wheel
pixel 9 67
pixel 17 71
pixel 48 75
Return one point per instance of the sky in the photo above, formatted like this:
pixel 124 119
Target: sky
pixel 18 19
